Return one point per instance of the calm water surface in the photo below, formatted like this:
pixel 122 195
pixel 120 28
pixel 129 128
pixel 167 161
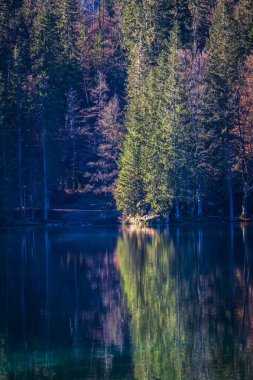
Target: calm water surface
pixel 128 304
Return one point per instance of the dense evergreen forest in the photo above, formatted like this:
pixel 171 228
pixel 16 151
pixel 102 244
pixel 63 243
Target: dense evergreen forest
pixel 149 102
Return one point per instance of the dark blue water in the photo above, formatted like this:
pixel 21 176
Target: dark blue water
pixel 127 304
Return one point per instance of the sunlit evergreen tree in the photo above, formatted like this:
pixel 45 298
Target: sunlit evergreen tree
pixel 222 74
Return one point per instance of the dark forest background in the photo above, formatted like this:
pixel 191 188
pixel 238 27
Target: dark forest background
pixel 155 94
pixel 62 86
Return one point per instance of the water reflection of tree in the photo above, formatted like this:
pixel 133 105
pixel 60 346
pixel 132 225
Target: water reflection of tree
pixel 189 293
pixel 158 337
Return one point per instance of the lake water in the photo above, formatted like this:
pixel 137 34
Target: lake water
pixel 127 304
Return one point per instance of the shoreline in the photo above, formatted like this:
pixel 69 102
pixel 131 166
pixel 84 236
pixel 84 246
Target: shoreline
pixel 116 221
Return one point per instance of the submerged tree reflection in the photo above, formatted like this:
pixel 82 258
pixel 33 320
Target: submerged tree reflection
pixel 189 293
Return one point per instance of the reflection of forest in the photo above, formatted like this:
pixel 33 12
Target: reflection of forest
pixel 189 293
pixel 61 312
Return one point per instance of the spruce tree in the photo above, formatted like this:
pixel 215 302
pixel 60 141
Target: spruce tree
pixel 70 29
pixel 175 98
pixel 9 11
pixel 129 188
pixel 21 69
pixel 156 150
pixel 245 26
pixel 183 17
pixel 5 15
pixel 243 133
pixel 222 75
pixel 47 67
pixel 157 126
pixel 129 184
pixel 201 11
pixel 200 165
pixel 110 135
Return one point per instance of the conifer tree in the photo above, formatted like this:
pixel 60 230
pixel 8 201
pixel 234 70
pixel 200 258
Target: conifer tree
pixel 110 131
pixel 244 133
pixel 129 193
pixel 8 26
pixel 129 185
pixel 4 34
pixel 183 17
pixel 222 74
pixel 245 26
pixel 71 32
pixel 157 127
pixel 201 11
pixel 2 166
pixel 156 150
pixel 72 121
pixel 175 98
pixel 47 63
pixel 21 67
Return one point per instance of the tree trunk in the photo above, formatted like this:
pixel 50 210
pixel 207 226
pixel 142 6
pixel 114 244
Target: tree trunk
pixel 33 183
pixel 20 174
pixel 7 207
pixel 245 174
pixel 245 200
pixel 177 209
pixel 45 182
pixel 200 203
pixel 33 194
pixel 73 141
pixel 230 195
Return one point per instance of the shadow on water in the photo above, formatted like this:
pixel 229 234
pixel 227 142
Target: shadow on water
pixel 62 313
pixel 129 304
